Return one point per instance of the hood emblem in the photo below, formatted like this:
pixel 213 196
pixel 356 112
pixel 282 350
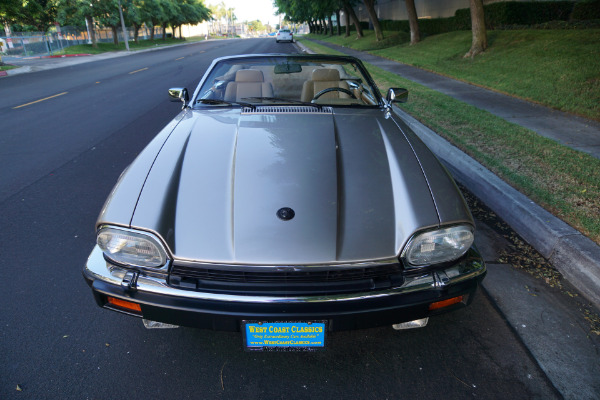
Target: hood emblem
pixel 285 213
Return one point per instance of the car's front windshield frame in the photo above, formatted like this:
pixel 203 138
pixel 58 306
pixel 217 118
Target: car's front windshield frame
pixel 210 92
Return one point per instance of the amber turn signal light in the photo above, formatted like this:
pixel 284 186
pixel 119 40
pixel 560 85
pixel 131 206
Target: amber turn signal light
pixel 124 304
pixel 445 303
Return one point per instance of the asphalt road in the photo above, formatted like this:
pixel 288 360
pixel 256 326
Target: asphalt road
pixel 59 160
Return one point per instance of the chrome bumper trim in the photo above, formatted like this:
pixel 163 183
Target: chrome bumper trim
pixel 97 268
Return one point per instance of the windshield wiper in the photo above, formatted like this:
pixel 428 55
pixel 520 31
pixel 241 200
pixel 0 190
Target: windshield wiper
pixel 230 103
pixel 304 103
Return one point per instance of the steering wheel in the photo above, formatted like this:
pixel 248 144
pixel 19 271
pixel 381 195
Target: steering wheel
pixel 334 89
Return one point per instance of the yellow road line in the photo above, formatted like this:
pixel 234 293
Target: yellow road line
pixel 37 101
pixel 139 70
pixel 180 58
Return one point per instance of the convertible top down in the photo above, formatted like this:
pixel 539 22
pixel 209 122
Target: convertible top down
pixel 287 191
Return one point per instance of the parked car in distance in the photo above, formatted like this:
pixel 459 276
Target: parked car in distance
pixel 287 200
pixel 284 35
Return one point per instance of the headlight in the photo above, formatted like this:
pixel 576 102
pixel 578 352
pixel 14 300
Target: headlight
pixel 441 245
pixel 128 247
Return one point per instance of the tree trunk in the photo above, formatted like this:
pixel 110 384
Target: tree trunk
pixel 152 32
pixel 347 17
pixel 330 22
pixel 337 19
pixel 350 11
pixel 180 34
pixel 479 42
pixel 370 4
pixel 164 26
pixel 415 35
pixel 136 32
pixel 90 22
pixel 115 34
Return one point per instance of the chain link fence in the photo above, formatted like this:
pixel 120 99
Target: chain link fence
pixel 33 44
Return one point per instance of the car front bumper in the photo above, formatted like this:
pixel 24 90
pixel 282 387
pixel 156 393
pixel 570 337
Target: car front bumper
pixel 160 302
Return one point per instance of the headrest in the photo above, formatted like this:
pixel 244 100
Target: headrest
pixel 249 75
pixel 326 74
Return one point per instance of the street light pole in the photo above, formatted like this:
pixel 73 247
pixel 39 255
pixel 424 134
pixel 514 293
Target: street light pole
pixel 125 36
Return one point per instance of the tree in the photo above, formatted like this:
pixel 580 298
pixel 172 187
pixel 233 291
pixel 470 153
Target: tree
pixel 171 11
pixel 230 16
pixel 155 14
pixel 347 17
pixel 80 10
pixel 256 26
pixel 191 12
pixel 39 14
pixel 107 15
pixel 370 4
pixel 349 10
pixel 136 13
pixel 479 34
pixel 415 36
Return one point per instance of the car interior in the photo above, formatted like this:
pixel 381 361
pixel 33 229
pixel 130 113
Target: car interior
pixel 320 84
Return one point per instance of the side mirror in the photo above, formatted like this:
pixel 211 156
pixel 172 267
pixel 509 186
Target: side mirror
pixel 397 95
pixel 179 94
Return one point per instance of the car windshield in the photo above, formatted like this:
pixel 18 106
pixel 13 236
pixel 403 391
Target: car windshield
pixel 287 80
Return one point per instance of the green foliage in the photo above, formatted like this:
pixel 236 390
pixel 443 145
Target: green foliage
pixel 517 13
pixel 256 26
pixel 36 15
pixel 41 14
pixel 509 15
pixel 586 10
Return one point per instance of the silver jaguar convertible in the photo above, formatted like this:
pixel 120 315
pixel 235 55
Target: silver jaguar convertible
pixel 287 200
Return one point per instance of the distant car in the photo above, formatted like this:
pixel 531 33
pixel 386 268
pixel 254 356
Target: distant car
pixel 284 35
pixel 287 200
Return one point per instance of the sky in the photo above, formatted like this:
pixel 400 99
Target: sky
pixel 250 10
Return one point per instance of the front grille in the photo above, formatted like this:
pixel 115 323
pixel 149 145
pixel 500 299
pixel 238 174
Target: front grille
pixel 282 282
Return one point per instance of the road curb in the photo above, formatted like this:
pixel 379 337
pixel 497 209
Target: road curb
pixel 574 255
pixel 66 55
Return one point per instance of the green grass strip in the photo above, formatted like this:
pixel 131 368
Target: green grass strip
pixel 141 45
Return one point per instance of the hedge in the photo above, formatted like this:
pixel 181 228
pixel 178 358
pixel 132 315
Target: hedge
pixel 508 14
pixel 586 10
pixel 517 13
pixel 432 26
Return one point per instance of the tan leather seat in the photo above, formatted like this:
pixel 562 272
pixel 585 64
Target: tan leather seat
pixel 248 83
pixel 324 78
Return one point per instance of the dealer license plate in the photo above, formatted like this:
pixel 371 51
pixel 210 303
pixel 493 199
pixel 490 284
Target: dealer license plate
pixel 284 336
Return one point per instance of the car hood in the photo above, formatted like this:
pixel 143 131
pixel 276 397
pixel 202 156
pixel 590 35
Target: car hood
pixel 354 180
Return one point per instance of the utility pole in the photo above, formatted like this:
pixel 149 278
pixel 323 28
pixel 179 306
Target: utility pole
pixel 125 36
